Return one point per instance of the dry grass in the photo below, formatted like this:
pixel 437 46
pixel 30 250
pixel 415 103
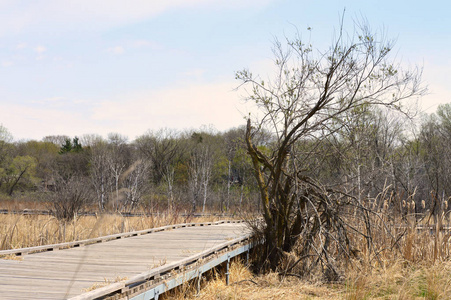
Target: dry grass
pixel 402 263
pixel 106 282
pixel 244 285
pixel 13 257
pixel 410 264
pixel 20 231
pixel 401 280
pixel 396 280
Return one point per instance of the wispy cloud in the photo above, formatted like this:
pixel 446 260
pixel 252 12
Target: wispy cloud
pixel 21 46
pixel 40 49
pixel 63 103
pixel 51 100
pixel 181 107
pixel 141 43
pixel 7 63
pixel 131 114
pixel 117 50
pixel 439 91
pixel 196 73
pixel 37 122
pixel 145 44
pixel 96 15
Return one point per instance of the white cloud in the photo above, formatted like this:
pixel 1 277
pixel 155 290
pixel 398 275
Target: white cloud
pixel 21 46
pixel 40 49
pixel 193 74
pixel 18 17
pixel 51 101
pixel 141 43
pixel 117 50
pixel 435 76
pixel 27 122
pixel 7 63
pixel 182 107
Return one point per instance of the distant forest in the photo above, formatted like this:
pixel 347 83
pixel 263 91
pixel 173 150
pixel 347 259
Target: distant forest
pixel 375 152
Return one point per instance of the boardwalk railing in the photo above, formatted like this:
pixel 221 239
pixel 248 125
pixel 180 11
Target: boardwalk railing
pixel 151 284
pixel 27 212
pixel 154 282
pixel 60 246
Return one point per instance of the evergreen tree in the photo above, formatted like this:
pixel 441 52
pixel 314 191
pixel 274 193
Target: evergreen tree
pixel 76 146
pixel 66 147
pixel 69 146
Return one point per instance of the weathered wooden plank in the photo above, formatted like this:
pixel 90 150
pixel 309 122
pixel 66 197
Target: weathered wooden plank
pixel 55 247
pixel 65 273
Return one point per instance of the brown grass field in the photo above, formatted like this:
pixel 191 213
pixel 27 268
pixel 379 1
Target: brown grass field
pixel 21 231
pixel 416 266
pixel 396 280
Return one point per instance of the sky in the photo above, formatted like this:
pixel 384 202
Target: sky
pixel 77 67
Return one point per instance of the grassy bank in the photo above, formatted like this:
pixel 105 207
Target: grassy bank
pixel 395 280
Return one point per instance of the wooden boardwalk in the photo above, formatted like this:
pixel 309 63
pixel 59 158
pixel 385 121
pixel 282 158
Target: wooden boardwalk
pixel 66 273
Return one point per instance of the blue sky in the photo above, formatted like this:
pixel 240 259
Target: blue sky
pixel 100 66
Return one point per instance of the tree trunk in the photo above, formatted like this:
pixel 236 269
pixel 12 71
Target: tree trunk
pixel 11 189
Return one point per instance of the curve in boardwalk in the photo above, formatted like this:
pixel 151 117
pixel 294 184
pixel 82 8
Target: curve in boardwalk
pixel 67 273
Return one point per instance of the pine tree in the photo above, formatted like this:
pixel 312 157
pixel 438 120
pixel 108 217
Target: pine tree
pixel 69 146
pixel 66 147
pixel 76 146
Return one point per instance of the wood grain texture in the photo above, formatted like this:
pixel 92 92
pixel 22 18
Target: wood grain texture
pixel 66 273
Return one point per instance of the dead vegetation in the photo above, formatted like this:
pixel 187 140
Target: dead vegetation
pixel 406 256
pixel 106 282
pixel 395 278
pixel 400 262
pixel 21 231
pixel 404 263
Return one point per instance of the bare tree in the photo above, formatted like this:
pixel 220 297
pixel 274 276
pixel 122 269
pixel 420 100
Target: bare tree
pixel 70 196
pixel 200 168
pixel 162 150
pixel 70 191
pixel 433 148
pixel 90 140
pixel 135 182
pixel 311 89
pixel 58 140
pixel 117 160
pixel 101 174
pixel 238 165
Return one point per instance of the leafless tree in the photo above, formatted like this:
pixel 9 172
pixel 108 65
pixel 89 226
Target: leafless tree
pixel 100 173
pixel 200 168
pixel 135 183
pixel 90 140
pixel 58 140
pixel 70 196
pixel 162 150
pixel 312 89
pixel 117 158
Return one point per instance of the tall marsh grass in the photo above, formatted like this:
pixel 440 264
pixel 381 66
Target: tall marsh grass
pixel 21 231
pixel 407 257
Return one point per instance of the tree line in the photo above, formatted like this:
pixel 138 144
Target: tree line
pixel 194 171
pixel 371 150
